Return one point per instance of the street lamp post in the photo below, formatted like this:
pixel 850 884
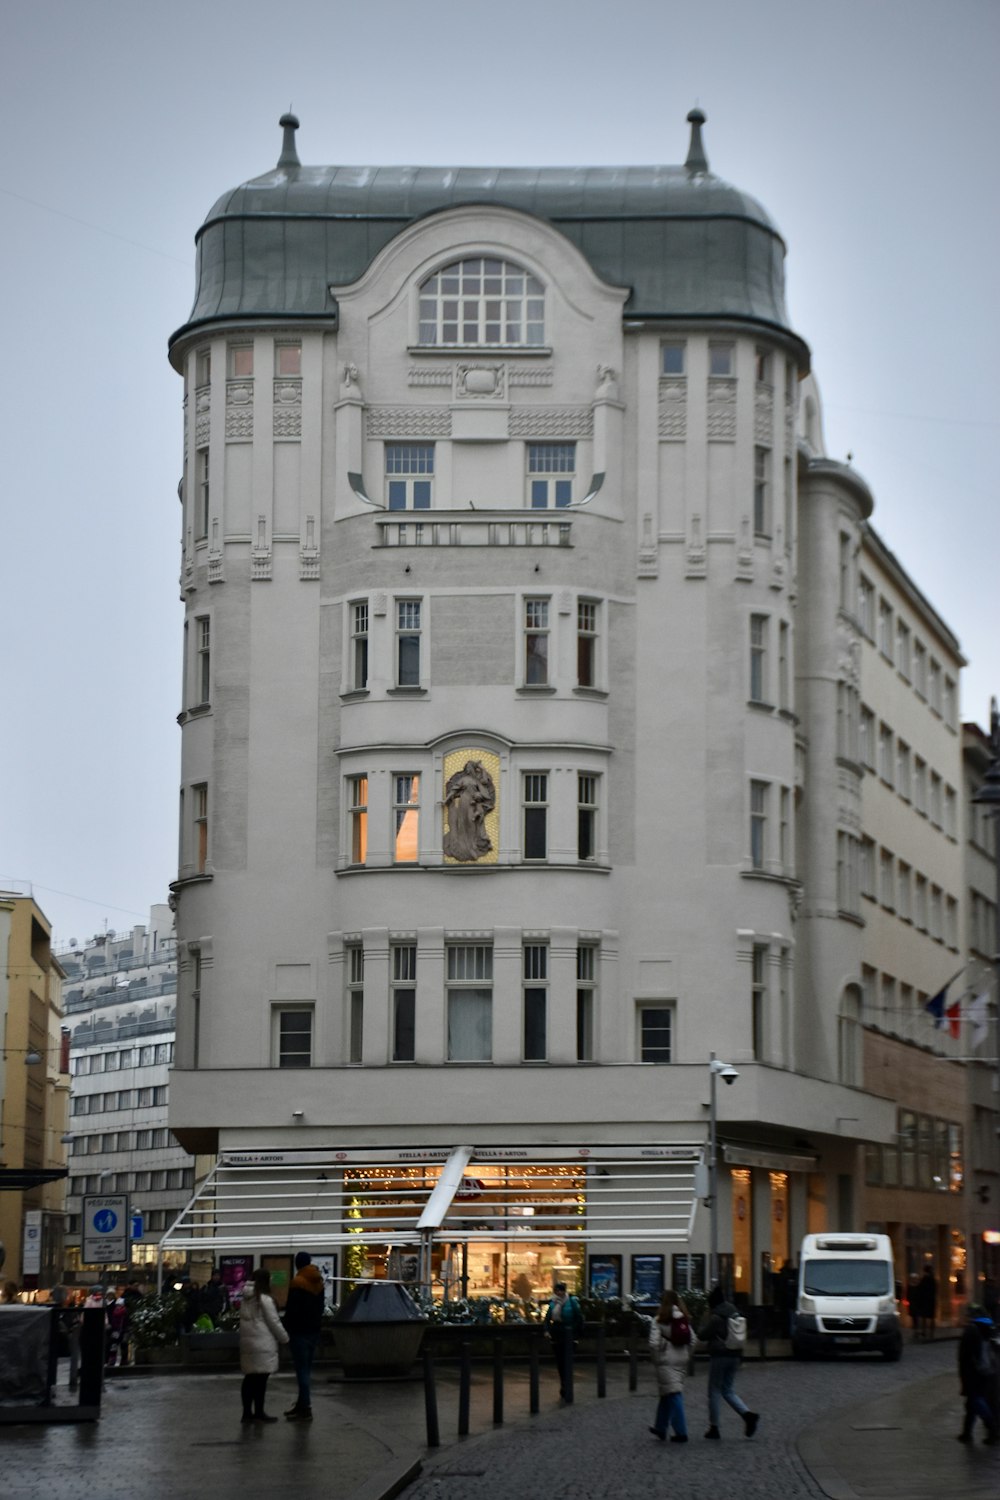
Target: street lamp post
pixel 716 1069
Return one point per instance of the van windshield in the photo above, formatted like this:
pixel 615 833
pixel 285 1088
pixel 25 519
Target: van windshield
pixel 846 1278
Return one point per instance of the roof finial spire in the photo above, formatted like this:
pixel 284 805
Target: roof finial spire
pixel 289 156
pixel 697 161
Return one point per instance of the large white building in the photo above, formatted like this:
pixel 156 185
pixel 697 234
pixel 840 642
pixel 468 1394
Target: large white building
pixel 522 693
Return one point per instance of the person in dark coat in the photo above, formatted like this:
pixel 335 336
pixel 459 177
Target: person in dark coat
pixel 563 1319
pixel 303 1317
pixel 213 1299
pixel 723 1363
pixel 979 1373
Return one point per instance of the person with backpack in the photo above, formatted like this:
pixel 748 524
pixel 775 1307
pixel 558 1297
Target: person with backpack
pixel 979 1374
pixel 564 1319
pixel 670 1346
pixel 724 1332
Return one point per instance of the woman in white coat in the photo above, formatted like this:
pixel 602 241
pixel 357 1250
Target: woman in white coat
pixel 670 1347
pixel 260 1334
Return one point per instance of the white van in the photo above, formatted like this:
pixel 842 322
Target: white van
pixel 846 1296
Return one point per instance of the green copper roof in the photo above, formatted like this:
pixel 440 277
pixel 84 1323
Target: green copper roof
pixel 686 243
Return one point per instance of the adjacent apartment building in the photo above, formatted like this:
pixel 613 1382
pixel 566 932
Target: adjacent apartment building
pixel 522 769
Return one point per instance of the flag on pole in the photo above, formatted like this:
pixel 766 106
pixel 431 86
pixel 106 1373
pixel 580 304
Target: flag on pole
pixel 935 1006
pixel 976 1015
pixel 954 1018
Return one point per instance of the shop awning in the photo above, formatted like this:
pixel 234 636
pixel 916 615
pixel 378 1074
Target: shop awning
pixel 317 1200
pixel 20 1179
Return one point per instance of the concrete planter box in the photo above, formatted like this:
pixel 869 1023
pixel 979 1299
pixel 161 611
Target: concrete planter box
pixel 210 1348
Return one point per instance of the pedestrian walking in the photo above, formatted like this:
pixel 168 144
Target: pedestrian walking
pixel 213 1299
pixel 670 1345
pixel 303 1317
pixel 563 1319
pixel 724 1331
pixel 979 1374
pixel 260 1335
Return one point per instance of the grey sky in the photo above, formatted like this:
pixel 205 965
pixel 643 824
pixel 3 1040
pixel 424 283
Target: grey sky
pixel 868 129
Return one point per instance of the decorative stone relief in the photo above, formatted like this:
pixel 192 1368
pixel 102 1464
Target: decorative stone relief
pixel 744 552
pixel 471 827
pixel 480 382
pixel 350 382
pixel 649 556
pixel 673 409
pixel 721 410
pixel 288 408
pixel 789 426
pixel 215 569
pixel 408 421
pixel 551 421
pixel 763 414
pixel 607 383
pixel 379 603
pixel 260 554
pixel 309 553
pixel 528 375
pixel 202 429
pixel 418 375
pixel 696 558
pixel 239 411
pixel 565 602
pixel 848 656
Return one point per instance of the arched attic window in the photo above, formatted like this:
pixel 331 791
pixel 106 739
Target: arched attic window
pixel 482 302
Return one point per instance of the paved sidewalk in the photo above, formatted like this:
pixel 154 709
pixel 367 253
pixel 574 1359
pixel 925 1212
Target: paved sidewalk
pixel 853 1430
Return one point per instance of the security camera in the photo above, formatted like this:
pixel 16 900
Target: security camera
pixel 728 1074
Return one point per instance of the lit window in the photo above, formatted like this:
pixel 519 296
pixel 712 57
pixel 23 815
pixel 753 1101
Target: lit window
pixel 536 642
pixel 586 990
pixel 672 359
pixel 288 359
pixel 654 1033
pixel 409 475
pixel 551 467
pixel 408 642
pixel 404 1002
pixel 480 301
pixel 586 642
pixel 241 361
pixel 359 646
pixel 536 973
pixel 586 817
pixel 406 815
pixel 294 1037
pixel 358 805
pixel 535 815
pixel 470 1002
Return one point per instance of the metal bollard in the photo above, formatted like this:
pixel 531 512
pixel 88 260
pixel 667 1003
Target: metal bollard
pixel 533 1373
pixel 497 1383
pixel 430 1403
pixel 602 1372
pixel 464 1388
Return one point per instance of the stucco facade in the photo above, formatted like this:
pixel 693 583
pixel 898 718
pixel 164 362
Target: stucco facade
pixel 568 589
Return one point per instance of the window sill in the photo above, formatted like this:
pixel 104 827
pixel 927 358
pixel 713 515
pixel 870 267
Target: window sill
pixel 775 876
pixel 535 689
pixel 406 692
pixel 354 695
pixel 532 351
pixel 851 916
pixel 198 710
pixel 760 705
pixel 600 695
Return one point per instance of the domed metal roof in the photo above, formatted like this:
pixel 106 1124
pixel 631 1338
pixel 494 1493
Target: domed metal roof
pixel 687 244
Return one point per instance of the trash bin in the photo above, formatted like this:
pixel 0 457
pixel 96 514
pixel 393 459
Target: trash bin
pixel 379 1330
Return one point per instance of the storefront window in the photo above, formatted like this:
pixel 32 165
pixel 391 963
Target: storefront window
pixel 742 1230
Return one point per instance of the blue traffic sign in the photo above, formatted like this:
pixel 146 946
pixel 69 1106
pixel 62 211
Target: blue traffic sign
pixel 137 1228
pixel 105 1220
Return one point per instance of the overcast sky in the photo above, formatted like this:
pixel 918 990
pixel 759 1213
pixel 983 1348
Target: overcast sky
pixel 869 129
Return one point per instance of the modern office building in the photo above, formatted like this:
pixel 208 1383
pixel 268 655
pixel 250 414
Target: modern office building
pixel 34 1095
pixel 120 1003
pixel 523 676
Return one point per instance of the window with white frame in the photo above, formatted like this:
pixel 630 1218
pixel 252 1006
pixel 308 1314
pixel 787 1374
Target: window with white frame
pixel 404 1002
pixel 951 921
pixel 950 812
pixel 762 491
pixel 845 564
pixel 866 738
pixel 949 703
pixel 936 803
pixel 784 685
pixel 409 475
pixel 903 649
pixel 904 886
pixel 470 1002
pixel 759 625
pixel 203 662
pixel 934 685
pixel 586 642
pixel 903 770
pixel 785 831
pixel 202 495
pixel 408 632
pixel 535 1002
pixel 849 1037
pixel 482 300
pixel 655 1033
pixel 293 1036
pixel 885 618
pixel 920 902
pixel 359 645
pixel 536 642
pixel 848 873
pixel 199 823
pixel 885 756
pixel 762 366
pixel 586 1000
pixel 887 884
pixel 759 795
pixel 203 367
pixel 406 818
pixel 354 962
pixel 288 359
pixel 721 359
pixel 934 914
pixel 758 998
pixel 920 785
pixel 536 812
pixel 672 357
pixel 241 361
pixel 357 816
pixel 920 668
pixel 868 868
pixel 586 816
pixel 866 606
pixel 551 467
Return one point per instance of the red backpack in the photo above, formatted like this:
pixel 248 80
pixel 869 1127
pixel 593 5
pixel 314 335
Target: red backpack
pixel 680 1331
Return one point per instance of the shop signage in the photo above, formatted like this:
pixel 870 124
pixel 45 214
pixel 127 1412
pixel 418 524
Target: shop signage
pixel 683 1152
pixel 31 1252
